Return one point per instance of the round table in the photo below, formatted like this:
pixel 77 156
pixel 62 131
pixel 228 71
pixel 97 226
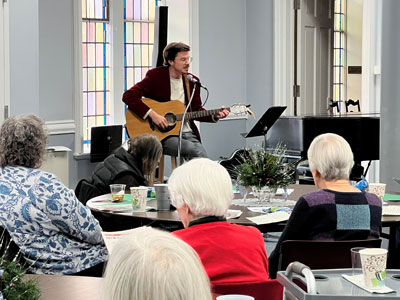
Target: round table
pixel 169 220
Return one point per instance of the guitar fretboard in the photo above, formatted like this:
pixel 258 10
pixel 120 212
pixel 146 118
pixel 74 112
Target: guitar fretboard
pixel 200 114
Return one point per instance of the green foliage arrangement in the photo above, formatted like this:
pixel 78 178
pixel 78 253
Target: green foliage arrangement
pixel 12 286
pixel 263 168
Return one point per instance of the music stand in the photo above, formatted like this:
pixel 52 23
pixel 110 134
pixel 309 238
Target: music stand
pixel 265 122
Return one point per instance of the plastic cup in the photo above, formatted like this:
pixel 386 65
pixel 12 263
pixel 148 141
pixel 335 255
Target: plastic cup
pixel 139 198
pixel 235 297
pixel 117 192
pixel 162 196
pixel 377 189
pixel 356 260
pixel 373 261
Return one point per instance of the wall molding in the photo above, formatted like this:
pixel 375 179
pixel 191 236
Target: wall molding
pixel 61 127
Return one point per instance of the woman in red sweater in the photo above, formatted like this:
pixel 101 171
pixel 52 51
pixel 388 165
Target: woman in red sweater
pixel 201 190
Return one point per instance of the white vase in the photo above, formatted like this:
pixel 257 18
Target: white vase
pixel 264 193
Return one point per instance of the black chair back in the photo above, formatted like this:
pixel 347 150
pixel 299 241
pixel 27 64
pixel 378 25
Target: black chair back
pixel 8 249
pixel 321 254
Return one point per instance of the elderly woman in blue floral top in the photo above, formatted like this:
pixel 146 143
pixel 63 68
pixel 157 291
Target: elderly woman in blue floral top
pixel 55 232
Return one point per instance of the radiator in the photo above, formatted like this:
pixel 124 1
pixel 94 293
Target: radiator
pixel 57 163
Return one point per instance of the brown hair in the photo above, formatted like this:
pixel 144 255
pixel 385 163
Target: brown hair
pixel 172 49
pixel 147 149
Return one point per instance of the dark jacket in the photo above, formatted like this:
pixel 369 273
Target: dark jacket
pixel 120 167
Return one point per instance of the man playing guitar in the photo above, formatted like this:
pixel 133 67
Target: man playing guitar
pixel 168 83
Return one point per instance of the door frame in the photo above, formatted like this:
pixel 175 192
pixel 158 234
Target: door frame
pixel 371 60
pixel 4 61
pixel 283 54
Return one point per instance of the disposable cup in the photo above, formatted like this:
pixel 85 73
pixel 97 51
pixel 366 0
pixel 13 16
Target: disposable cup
pixel 139 198
pixel 356 260
pixel 377 189
pixel 117 192
pixel 373 261
pixel 162 196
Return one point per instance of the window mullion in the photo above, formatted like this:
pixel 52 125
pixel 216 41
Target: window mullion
pixel 117 61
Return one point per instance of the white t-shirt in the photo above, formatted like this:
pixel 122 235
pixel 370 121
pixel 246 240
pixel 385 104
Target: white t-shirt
pixel 178 93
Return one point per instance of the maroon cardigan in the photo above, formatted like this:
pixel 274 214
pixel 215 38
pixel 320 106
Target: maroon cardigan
pixel 156 85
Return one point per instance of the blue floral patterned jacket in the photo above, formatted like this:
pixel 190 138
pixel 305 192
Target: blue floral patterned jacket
pixel 55 232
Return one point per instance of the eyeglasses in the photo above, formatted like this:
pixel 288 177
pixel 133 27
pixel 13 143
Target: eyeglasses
pixel 189 59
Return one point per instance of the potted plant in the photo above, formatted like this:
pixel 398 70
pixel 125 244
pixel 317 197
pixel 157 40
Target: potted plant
pixel 264 171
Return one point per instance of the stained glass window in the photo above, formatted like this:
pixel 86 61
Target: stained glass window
pixel 338 52
pixel 138 39
pixel 95 67
pixel 97 48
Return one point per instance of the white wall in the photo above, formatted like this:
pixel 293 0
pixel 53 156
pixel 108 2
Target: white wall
pixel 236 64
pixel 390 102
pixel 222 66
pixel 24 56
pixel 56 67
pixel 178 21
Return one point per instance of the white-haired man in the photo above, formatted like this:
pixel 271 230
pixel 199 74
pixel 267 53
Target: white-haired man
pixel 338 211
pixel 201 190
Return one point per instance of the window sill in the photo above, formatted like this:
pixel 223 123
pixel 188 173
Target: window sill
pixel 81 156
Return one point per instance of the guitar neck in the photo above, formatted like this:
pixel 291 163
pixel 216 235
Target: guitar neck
pixel 200 113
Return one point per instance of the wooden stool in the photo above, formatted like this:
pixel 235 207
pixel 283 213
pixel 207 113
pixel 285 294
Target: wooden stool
pixel 161 166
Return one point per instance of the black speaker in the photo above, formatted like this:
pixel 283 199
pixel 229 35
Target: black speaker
pixel 105 139
pixel 160 34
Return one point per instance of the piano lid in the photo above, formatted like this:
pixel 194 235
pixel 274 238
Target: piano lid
pixel 297 133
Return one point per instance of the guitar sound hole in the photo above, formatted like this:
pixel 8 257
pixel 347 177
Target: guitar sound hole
pixel 171 120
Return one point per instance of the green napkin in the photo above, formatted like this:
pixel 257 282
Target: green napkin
pixel 391 197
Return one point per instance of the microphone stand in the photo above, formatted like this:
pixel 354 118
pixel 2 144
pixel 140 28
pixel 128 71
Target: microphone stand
pixel 183 122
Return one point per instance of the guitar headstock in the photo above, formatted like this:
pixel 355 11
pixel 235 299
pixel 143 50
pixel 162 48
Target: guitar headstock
pixel 240 110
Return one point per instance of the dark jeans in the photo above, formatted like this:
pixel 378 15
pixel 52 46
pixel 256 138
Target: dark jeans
pixel 190 147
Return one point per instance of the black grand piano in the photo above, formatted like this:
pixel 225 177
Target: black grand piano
pixel 297 133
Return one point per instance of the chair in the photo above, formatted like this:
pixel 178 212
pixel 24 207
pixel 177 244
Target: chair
pixel 353 103
pixel 266 290
pixel 333 104
pixel 309 252
pixel 9 251
pixel 161 166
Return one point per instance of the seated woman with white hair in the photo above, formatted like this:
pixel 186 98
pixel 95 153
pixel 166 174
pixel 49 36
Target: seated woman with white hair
pixel 338 211
pixel 201 190
pixel 151 264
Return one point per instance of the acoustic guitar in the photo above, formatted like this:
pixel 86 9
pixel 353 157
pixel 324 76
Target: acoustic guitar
pixel 172 111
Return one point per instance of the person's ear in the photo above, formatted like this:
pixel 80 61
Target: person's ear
pixel 186 208
pixel 317 177
pixel 316 174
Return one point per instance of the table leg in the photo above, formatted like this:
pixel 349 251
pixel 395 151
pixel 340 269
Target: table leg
pixel 392 262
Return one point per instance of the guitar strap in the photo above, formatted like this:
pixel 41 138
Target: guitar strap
pixel 187 91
